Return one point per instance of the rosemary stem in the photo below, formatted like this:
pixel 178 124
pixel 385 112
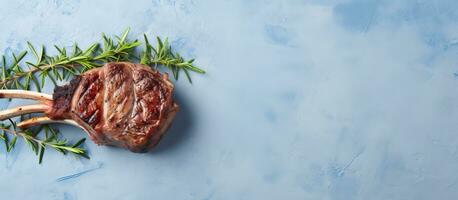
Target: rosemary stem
pixel 29 72
pixel 75 150
pixel 67 64
pixel 21 134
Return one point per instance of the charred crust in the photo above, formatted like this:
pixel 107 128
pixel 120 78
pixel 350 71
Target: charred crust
pixel 65 91
pixel 62 98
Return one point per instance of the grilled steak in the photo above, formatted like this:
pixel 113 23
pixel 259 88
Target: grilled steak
pixel 121 104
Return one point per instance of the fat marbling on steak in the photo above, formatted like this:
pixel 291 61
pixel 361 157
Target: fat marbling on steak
pixel 121 104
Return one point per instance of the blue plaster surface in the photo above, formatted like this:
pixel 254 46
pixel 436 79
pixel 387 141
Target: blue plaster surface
pixel 319 99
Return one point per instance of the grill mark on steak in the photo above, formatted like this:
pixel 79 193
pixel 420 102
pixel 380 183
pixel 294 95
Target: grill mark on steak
pixel 117 100
pixel 89 105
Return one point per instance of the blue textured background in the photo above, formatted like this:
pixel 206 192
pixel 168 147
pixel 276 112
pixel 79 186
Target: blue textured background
pixel 303 99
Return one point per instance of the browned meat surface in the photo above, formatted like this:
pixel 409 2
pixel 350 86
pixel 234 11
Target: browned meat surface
pixel 121 104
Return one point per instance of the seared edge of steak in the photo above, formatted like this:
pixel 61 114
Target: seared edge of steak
pixel 62 98
pixel 167 122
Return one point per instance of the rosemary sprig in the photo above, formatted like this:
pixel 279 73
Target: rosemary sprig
pixel 163 55
pixel 60 66
pixel 64 64
pixel 32 75
pixel 51 139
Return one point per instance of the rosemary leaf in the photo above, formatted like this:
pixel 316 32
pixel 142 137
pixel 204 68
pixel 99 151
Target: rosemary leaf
pixel 187 75
pixel 41 153
pixel 32 49
pixel 79 142
pixel 11 144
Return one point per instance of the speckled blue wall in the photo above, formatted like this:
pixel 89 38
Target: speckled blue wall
pixel 314 99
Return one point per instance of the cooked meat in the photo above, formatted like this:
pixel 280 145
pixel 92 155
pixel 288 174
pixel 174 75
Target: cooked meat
pixel 121 104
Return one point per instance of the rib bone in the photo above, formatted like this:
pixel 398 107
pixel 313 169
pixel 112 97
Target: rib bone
pixel 45 99
pixel 24 94
pixel 21 110
pixel 44 120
